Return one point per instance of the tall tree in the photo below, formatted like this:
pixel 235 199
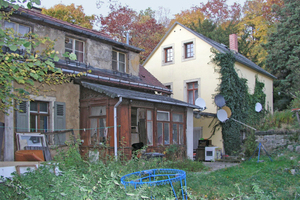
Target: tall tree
pixel 219 11
pixel 144 30
pixel 213 31
pixel 191 16
pixel 215 20
pixel 71 14
pixel 283 49
pixel 257 21
pixel 118 22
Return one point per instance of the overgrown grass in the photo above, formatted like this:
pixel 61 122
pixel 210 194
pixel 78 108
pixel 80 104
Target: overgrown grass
pixel 278 120
pixel 251 180
pixel 84 180
pixel 99 180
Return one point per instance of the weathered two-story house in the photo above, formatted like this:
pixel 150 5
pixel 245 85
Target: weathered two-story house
pixel 117 104
pixel 182 61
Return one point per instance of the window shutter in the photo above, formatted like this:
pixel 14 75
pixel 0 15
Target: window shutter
pixel 59 122
pixel 22 117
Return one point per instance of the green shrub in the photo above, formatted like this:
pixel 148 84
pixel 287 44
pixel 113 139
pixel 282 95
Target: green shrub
pixel 81 179
pixel 277 120
pixel 250 145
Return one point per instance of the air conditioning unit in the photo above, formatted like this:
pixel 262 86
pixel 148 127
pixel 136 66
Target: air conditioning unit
pixel 210 153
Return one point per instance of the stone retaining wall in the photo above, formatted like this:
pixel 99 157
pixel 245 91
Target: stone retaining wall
pixel 280 138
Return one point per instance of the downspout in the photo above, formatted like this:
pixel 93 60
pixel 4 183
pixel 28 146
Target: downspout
pixel 115 127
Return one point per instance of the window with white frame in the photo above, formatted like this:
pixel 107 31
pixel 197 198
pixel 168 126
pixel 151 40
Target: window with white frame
pixel 149 128
pixel 168 54
pixel 189 50
pixel 42 116
pixel 163 128
pixel 119 61
pixel 19 29
pixel 75 46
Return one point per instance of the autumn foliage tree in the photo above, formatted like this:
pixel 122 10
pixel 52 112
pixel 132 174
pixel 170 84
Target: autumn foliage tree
pixel 142 27
pixel 219 12
pixel 190 16
pixel 215 19
pixel 71 14
pixel 258 20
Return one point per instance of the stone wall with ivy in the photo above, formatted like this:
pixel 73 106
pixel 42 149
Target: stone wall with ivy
pixel 242 104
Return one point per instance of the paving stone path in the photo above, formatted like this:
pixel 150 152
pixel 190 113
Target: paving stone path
pixel 219 165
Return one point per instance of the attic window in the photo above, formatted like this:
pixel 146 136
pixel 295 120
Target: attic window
pixel 189 50
pixel 168 54
pixel 119 61
pixel 75 46
pixel 18 28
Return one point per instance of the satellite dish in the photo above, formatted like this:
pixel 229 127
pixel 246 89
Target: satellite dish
pixel 228 111
pixel 222 115
pixel 258 107
pixel 219 100
pixel 201 103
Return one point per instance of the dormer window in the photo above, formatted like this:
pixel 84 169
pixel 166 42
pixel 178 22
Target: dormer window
pixel 75 46
pixel 20 31
pixel 119 61
pixel 18 28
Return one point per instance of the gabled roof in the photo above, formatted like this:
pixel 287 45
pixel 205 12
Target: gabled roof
pixel 114 92
pixel 220 47
pixel 144 81
pixel 40 18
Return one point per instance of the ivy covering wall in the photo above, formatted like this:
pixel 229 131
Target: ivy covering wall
pixel 242 104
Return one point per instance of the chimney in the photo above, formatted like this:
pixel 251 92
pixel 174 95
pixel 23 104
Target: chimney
pixel 233 42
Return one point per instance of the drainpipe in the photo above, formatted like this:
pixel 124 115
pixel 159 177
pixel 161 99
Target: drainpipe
pixel 115 127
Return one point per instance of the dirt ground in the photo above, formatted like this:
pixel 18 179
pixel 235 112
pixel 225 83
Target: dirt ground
pixel 219 165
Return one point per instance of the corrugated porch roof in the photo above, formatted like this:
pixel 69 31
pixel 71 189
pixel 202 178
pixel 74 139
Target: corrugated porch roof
pixel 114 92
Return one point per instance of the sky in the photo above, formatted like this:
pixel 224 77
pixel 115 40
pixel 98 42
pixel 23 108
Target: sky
pixel 175 6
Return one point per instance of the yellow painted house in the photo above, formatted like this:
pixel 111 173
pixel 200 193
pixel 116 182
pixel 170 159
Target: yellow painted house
pixel 182 62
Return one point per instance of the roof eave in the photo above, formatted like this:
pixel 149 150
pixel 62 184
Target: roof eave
pixel 74 29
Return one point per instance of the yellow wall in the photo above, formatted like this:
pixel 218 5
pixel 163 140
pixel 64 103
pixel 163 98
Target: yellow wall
pixel 200 69
pixel 248 73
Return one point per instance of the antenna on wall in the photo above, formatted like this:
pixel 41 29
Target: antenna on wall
pixel 201 103
pixel 224 113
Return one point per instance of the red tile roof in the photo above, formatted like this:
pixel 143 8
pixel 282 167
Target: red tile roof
pixel 38 14
pixel 148 78
pixel 66 26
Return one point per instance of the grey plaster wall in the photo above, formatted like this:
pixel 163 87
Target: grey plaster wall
pixel 97 53
pixel 54 34
pixel 273 139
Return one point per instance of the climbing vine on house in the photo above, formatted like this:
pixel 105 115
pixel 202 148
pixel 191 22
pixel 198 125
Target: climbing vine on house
pixel 242 104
